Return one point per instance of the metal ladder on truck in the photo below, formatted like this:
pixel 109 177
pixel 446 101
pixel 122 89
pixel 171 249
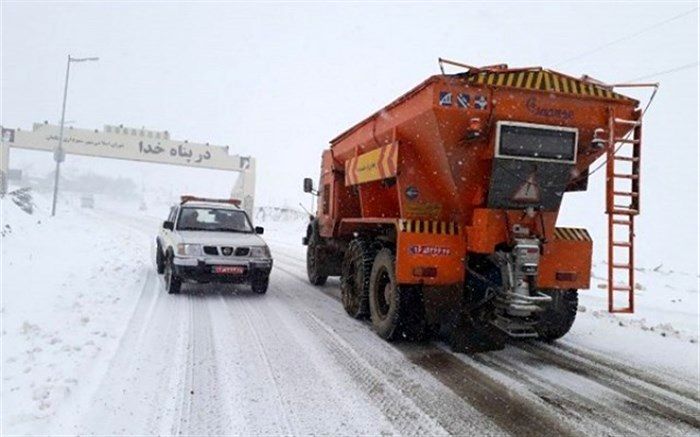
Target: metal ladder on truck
pixel 622 205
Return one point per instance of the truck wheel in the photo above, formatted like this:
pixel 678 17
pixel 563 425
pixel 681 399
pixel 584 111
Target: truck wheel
pixel 557 319
pixel 313 269
pixel 160 265
pixel 259 285
pixel 389 303
pixel 354 280
pixel 172 282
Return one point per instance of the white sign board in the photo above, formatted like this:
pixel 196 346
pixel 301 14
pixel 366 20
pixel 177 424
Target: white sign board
pixel 128 143
pixel 119 142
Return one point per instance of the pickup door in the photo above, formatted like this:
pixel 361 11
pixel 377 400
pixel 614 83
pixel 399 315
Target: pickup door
pixel 165 236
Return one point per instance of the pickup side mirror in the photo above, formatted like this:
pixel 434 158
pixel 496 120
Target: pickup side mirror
pixel 168 225
pixel 308 185
pixel 259 230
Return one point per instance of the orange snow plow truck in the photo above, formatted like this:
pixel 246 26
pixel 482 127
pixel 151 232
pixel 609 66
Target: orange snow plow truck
pixel 439 211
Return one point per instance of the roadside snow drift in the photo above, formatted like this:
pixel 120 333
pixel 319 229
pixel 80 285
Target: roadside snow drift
pixel 68 285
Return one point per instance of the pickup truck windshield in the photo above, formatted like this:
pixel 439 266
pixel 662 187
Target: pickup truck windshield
pixel 213 219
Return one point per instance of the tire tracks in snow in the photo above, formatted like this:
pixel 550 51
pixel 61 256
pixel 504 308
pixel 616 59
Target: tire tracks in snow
pixel 130 397
pixel 274 378
pixel 579 356
pixel 594 407
pixel 200 401
pixel 643 400
pixel 305 388
pixel 512 411
pixel 100 378
pixel 663 405
pixel 403 413
pixel 477 389
pixel 253 374
pixel 394 385
pixel 186 379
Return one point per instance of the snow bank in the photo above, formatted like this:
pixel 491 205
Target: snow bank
pixel 67 283
pixel 274 214
pixel 666 302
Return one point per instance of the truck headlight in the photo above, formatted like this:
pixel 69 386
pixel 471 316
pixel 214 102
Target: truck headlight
pixel 188 249
pixel 260 252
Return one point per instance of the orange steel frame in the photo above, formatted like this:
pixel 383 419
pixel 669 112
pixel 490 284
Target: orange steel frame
pixel 622 216
pixel 452 175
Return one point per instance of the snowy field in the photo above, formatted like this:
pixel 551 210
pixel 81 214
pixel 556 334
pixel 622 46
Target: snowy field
pixel 91 344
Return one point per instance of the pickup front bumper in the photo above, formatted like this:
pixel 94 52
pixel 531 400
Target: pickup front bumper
pixel 198 270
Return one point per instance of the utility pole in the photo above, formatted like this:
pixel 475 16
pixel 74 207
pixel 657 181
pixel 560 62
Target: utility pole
pixel 4 161
pixel 58 154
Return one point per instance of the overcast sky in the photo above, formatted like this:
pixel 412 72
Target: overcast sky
pixel 278 81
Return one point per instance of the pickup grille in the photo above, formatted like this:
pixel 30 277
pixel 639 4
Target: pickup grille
pixel 226 251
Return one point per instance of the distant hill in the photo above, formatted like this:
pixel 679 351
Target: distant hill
pixel 279 214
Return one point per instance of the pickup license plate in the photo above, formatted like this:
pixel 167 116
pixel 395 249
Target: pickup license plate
pixel 229 270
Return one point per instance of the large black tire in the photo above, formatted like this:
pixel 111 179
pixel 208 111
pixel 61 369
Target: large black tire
pixel 172 282
pixel 160 259
pixel 559 316
pixel 395 310
pixel 259 285
pixel 313 264
pixel 354 279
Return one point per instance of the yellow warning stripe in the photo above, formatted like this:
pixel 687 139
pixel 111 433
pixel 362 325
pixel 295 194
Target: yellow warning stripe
pixel 538 79
pixel 544 80
pixel 576 234
pixel 374 165
pixel 429 227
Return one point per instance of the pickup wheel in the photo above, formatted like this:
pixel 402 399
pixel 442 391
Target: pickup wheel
pixel 160 261
pixel 172 282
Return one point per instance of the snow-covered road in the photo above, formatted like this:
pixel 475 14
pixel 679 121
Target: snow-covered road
pixel 221 360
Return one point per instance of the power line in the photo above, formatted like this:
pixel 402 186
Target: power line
pixel 625 38
pixel 660 73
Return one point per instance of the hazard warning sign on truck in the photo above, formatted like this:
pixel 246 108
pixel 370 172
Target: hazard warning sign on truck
pixel 518 184
pixel 528 191
pixel 375 165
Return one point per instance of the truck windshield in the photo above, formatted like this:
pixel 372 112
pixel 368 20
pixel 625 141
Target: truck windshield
pixel 213 219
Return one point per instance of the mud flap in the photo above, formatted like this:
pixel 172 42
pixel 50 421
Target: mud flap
pixel 414 325
pixel 470 334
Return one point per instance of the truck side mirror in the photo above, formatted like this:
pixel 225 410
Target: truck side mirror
pixel 308 185
pixel 168 225
pixel 259 230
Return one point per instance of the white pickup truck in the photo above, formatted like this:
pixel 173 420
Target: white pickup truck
pixel 211 240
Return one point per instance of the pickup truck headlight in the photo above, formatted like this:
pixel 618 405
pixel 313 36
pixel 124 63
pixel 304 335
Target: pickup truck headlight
pixel 260 252
pixel 189 249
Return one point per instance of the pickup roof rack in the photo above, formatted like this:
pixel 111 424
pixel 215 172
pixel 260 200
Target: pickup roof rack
pixel 188 198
